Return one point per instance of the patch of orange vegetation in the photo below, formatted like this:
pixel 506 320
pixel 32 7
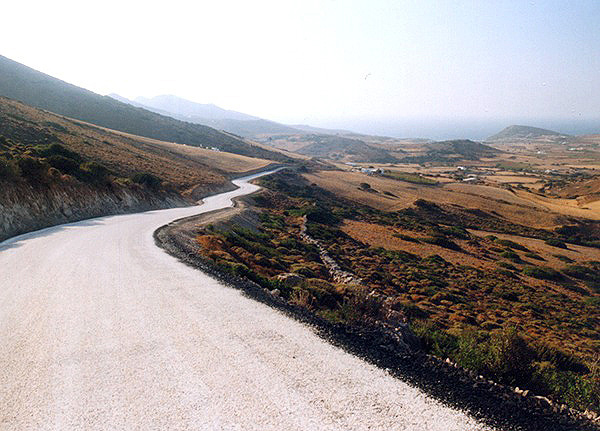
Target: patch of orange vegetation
pixel 210 242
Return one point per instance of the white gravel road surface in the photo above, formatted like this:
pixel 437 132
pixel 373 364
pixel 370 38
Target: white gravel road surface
pixel 102 330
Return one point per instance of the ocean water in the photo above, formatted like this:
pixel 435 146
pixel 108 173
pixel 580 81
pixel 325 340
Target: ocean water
pixel 460 128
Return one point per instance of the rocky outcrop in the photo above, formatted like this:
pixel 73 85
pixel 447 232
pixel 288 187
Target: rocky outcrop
pixel 337 273
pixel 25 208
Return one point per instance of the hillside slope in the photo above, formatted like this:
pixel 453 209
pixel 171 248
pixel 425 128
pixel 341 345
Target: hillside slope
pixel 37 89
pixel 344 149
pixel 463 147
pixel 189 109
pixel 208 115
pixel 523 132
pixel 55 170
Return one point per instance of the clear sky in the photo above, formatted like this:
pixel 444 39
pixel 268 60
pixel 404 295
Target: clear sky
pixel 328 62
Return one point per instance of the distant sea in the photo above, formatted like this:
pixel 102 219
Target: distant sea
pixel 443 129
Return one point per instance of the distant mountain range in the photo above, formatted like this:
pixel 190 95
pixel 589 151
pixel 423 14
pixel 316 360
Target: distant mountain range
pixel 516 132
pixel 39 90
pixel 223 119
pixel 188 109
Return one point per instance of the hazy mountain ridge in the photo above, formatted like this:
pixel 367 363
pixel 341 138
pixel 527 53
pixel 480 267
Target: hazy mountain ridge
pixel 37 89
pixel 523 132
pixel 223 119
pixel 186 108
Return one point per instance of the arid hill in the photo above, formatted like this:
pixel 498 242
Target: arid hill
pixel 523 132
pixel 37 89
pixel 55 170
pixel 344 149
pixel 454 150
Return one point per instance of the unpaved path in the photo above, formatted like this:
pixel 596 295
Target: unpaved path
pixel 102 330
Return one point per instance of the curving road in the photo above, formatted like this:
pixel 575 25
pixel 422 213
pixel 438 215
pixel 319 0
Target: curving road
pixel 102 330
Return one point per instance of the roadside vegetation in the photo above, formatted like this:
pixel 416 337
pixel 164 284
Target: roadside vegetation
pixel 491 305
pixel 45 164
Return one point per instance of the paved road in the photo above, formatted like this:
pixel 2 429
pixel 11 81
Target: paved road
pixel 101 330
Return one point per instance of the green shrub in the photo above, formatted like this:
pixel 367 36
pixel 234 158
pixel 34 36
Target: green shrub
pixel 149 180
pixel 506 357
pixel 509 357
pixel 507 265
pixel 58 150
pixel 95 172
pixel 8 169
pixel 542 273
pixel 580 272
pixel 511 255
pixel 555 242
pixel 534 256
pixel 442 242
pixel 321 215
pixel 435 341
pixel 564 258
pixel 575 390
pixel 33 169
pixel 511 244
pixel 64 164
pixel 406 238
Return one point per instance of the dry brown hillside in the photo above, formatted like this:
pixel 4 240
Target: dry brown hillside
pixel 186 168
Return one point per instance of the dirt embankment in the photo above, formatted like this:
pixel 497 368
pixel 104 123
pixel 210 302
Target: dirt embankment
pixel 24 208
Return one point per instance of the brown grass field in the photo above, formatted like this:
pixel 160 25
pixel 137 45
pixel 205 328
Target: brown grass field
pixel 491 199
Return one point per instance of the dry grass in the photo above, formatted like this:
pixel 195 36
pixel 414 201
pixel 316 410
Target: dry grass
pixel 568 207
pixel 225 162
pixel 186 168
pixel 377 235
pixel 577 253
pixel 490 199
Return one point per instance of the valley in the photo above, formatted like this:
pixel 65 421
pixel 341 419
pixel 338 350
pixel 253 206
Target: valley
pixel 469 269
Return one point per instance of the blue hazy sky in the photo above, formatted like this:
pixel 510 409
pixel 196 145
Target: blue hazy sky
pixel 390 67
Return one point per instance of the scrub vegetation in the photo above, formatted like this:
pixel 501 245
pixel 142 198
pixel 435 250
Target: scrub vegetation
pixel 490 304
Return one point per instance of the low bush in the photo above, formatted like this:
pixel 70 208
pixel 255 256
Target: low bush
pixel 406 238
pixel 580 272
pixel 506 357
pixel 442 242
pixel 511 244
pixel 564 258
pixel 535 256
pixel 34 170
pixel 555 242
pixel 542 273
pixel 95 172
pixel 148 180
pixel 8 169
pixel 64 164
pixel 58 150
pixel 511 255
